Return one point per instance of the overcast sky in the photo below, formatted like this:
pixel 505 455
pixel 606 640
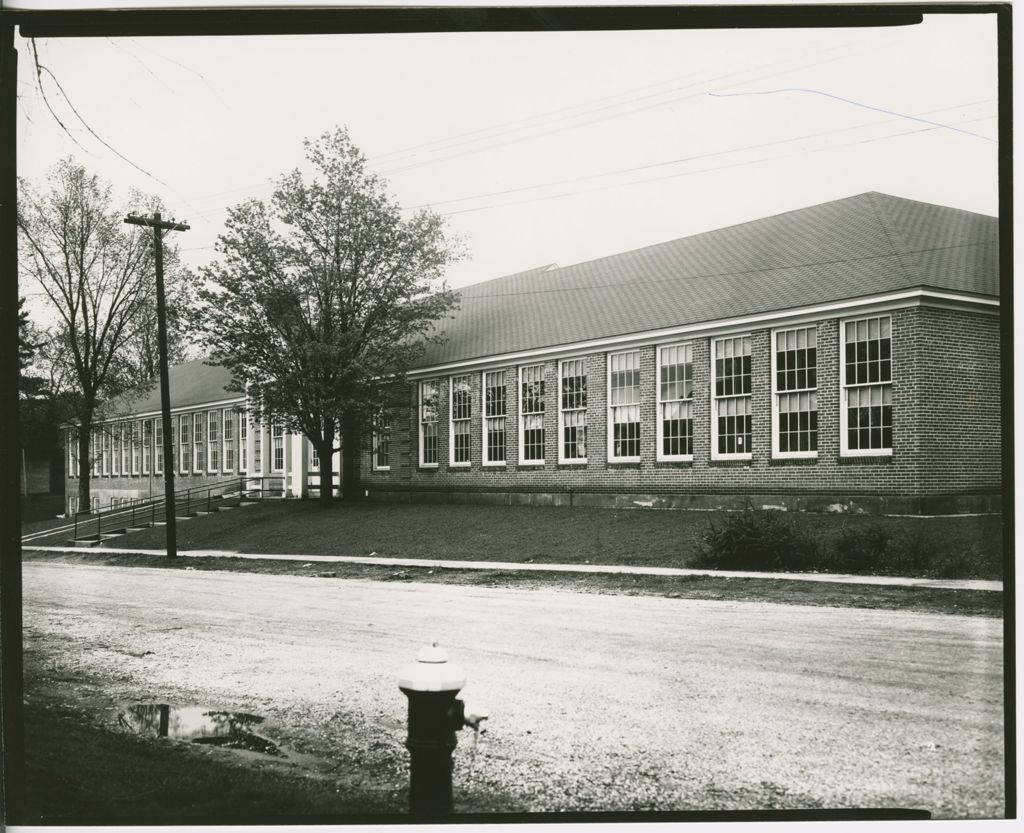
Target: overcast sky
pixel 540 148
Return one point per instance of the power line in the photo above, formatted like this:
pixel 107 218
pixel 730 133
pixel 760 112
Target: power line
pixel 856 104
pixel 690 173
pixel 670 161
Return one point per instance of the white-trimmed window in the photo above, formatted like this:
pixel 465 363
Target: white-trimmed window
pixel 125 449
pixel 174 442
pixel 136 437
pixel 158 446
pixel 277 438
pixel 213 441
pixel 382 441
pixel 572 415
pixel 104 439
pixel 495 410
pixel 198 446
pixel 461 418
pixel 675 402
pixel 115 451
pixel 314 457
pixel 624 406
pixel 185 443
pixel 730 387
pixel 147 444
pixel 72 453
pixel 229 442
pixel 243 442
pixel 428 422
pixel 866 418
pixel 531 415
pixel 795 400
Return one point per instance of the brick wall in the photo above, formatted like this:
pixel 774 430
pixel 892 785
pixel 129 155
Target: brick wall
pixel 937 451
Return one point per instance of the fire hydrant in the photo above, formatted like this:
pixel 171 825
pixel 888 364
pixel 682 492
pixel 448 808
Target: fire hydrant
pixel 435 715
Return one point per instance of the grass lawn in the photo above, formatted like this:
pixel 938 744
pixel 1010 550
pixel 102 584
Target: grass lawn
pixel 666 538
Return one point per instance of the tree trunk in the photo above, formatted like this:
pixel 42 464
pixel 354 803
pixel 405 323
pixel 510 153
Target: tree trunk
pixel 326 453
pixel 84 464
pixel 350 453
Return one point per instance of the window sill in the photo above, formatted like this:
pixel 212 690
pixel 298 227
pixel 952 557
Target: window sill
pixel 865 459
pixel 459 465
pixel 530 464
pixel 497 464
pixel 623 461
pixel 427 467
pixel 381 468
pixel 622 465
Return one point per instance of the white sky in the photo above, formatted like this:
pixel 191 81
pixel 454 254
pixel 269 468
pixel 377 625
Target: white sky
pixel 217 118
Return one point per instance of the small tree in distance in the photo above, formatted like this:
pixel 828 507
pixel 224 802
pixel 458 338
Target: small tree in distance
pixel 324 298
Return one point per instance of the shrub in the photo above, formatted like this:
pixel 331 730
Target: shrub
pixel 754 540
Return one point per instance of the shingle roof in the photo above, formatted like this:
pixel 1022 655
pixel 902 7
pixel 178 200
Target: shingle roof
pixel 191 383
pixel 862 245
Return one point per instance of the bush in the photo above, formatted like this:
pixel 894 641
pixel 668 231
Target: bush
pixel 755 540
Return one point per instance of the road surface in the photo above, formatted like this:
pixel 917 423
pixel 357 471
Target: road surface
pixel 598 702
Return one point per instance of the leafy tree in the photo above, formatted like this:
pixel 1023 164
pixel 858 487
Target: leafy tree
pixel 98 277
pixel 324 297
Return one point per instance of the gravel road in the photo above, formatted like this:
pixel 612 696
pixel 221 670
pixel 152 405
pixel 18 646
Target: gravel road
pixel 597 702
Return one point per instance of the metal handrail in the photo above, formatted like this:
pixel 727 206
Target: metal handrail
pixel 244 489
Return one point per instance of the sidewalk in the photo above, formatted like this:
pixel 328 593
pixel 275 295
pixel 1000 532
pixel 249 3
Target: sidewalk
pixel 834 578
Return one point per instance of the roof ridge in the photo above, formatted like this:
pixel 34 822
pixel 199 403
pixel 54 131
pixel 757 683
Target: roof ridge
pixel 639 249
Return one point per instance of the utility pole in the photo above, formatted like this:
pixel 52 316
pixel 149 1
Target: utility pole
pixel 165 226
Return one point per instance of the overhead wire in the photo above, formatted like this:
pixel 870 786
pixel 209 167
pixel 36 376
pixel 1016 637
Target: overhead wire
pixel 664 163
pixel 690 173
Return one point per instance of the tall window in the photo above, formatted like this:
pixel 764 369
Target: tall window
pixel 125 448
pixel 174 442
pixel 105 451
pixel 494 417
pixel 624 405
pixel 428 423
pixel 158 446
pixel 243 442
pixel 867 386
pixel 213 441
pixel 675 402
pixel 185 443
pixel 573 413
pixel 460 420
pixel 136 432
pixel 229 441
pixel 277 437
pixel 72 454
pixel 198 446
pixel 314 456
pixel 531 412
pixel 115 449
pixel 382 441
pixel 731 426
pixel 795 374
pixel 147 445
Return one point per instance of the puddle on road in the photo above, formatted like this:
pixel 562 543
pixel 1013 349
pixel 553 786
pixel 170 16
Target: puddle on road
pixel 197 724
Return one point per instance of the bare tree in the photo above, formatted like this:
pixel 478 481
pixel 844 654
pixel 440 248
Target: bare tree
pixel 96 273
